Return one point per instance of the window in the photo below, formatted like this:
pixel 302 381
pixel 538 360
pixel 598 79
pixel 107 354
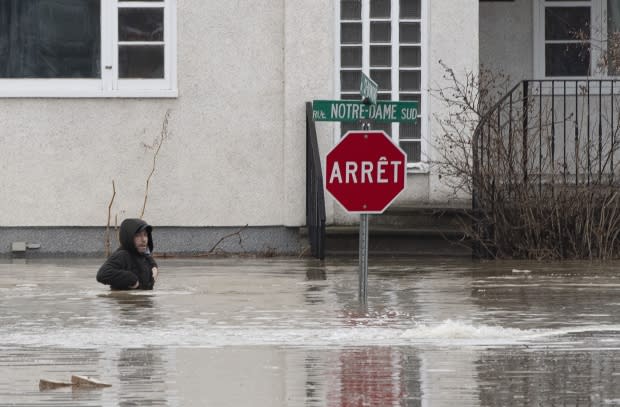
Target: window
pixel 384 39
pixel 87 48
pixel 577 38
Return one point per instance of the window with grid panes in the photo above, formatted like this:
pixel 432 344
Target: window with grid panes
pixel 577 38
pixel 383 38
pixel 87 48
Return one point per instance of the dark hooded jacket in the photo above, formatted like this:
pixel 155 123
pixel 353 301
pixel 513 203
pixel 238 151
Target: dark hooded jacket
pixel 127 265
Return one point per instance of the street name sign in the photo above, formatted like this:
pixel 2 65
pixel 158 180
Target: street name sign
pixel 353 110
pixel 368 90
pixel 365 171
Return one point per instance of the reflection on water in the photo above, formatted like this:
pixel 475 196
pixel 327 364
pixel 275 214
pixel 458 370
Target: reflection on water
pixel 290 332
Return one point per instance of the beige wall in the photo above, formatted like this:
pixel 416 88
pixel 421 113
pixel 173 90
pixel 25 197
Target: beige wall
pixel 236 148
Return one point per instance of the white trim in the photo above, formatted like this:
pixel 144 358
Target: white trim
pixel 109 85
pixel 425 110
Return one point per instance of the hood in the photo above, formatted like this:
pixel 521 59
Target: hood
pixel 129 227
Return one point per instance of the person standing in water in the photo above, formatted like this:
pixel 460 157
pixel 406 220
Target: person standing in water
pixel 131 266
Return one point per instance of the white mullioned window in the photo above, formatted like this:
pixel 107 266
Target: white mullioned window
pixel 88 48
pixel 385 39
pixel 576 38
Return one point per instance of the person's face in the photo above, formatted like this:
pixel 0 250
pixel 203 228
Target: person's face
pixel 141 241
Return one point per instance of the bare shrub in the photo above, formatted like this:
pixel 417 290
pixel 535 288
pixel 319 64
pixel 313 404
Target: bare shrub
pixel 542 178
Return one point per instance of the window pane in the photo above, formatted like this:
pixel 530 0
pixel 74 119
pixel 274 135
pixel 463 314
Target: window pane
pixel 567 59
pixel 350 9
pixel 410 80
pixel 382 77
pixel 350 81
pixel 380 9
pixel 50 39
pixel 410 57
pixel 567 23
pixel 380 31
pixel 351 57
pixel 145 61
pixel 141 24
pixel 413 149
pixel 380 56
pixel 410 9
pixel 351 33
pixel 409 32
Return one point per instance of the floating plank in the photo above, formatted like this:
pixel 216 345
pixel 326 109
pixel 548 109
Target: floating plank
pixel 85 381
pixel 45 384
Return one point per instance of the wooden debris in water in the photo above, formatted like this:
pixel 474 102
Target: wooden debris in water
pixel 45 384
pixel 85 381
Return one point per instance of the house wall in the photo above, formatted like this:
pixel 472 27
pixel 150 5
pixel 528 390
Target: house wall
pixel 506 38
pixel 235 154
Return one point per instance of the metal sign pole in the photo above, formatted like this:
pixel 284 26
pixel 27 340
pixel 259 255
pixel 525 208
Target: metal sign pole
pixel 363 259
pixel 363 250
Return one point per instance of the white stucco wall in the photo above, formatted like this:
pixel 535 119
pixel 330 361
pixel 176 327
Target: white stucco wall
pixel 236 149
pixel 506 40
pixel 454 41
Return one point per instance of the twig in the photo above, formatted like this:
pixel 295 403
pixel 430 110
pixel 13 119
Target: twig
pixel 237 233
pixel 158 143
pixel 107 228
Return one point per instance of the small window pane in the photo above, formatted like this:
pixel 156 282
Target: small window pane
pixel 409 33
pixel 567 23
pixel 50 39
pixel 380 56
pixel 350 96
pixel 410 80
pixel 567 59
pixel 350 9
pixel 407 97
pixel 410 9
pixel 145 62
pixel 410 57
pixel 383 78
pixel 141 24
pixel 380 9
pixel 413 149
pixel 350 80
pixel 380 31
pixel 351 57
pixel 351 33
pixel 386 127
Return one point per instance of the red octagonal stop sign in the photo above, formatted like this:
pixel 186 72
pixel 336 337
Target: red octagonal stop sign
pixel 365 171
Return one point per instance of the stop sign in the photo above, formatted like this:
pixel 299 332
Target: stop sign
pixel 365 171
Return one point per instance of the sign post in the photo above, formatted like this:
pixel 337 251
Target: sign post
pixel 365 171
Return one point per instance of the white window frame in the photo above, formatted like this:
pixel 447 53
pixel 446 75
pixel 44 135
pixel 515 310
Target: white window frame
pixel 424 113
pixel 109 85
pixel 598 18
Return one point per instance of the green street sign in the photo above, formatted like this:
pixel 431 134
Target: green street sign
pixel 368 89
pixel 352 110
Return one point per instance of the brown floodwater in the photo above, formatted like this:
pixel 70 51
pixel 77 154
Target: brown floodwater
pixel 291 332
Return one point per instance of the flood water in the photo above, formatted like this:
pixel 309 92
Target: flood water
pixel 290 332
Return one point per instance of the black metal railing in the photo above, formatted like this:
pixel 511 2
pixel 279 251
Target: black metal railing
pixel 315 199
pixel 548 132
pixel 543 139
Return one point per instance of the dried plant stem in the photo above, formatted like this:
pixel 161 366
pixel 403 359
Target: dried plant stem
pixel 158 143
pixel 107 228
